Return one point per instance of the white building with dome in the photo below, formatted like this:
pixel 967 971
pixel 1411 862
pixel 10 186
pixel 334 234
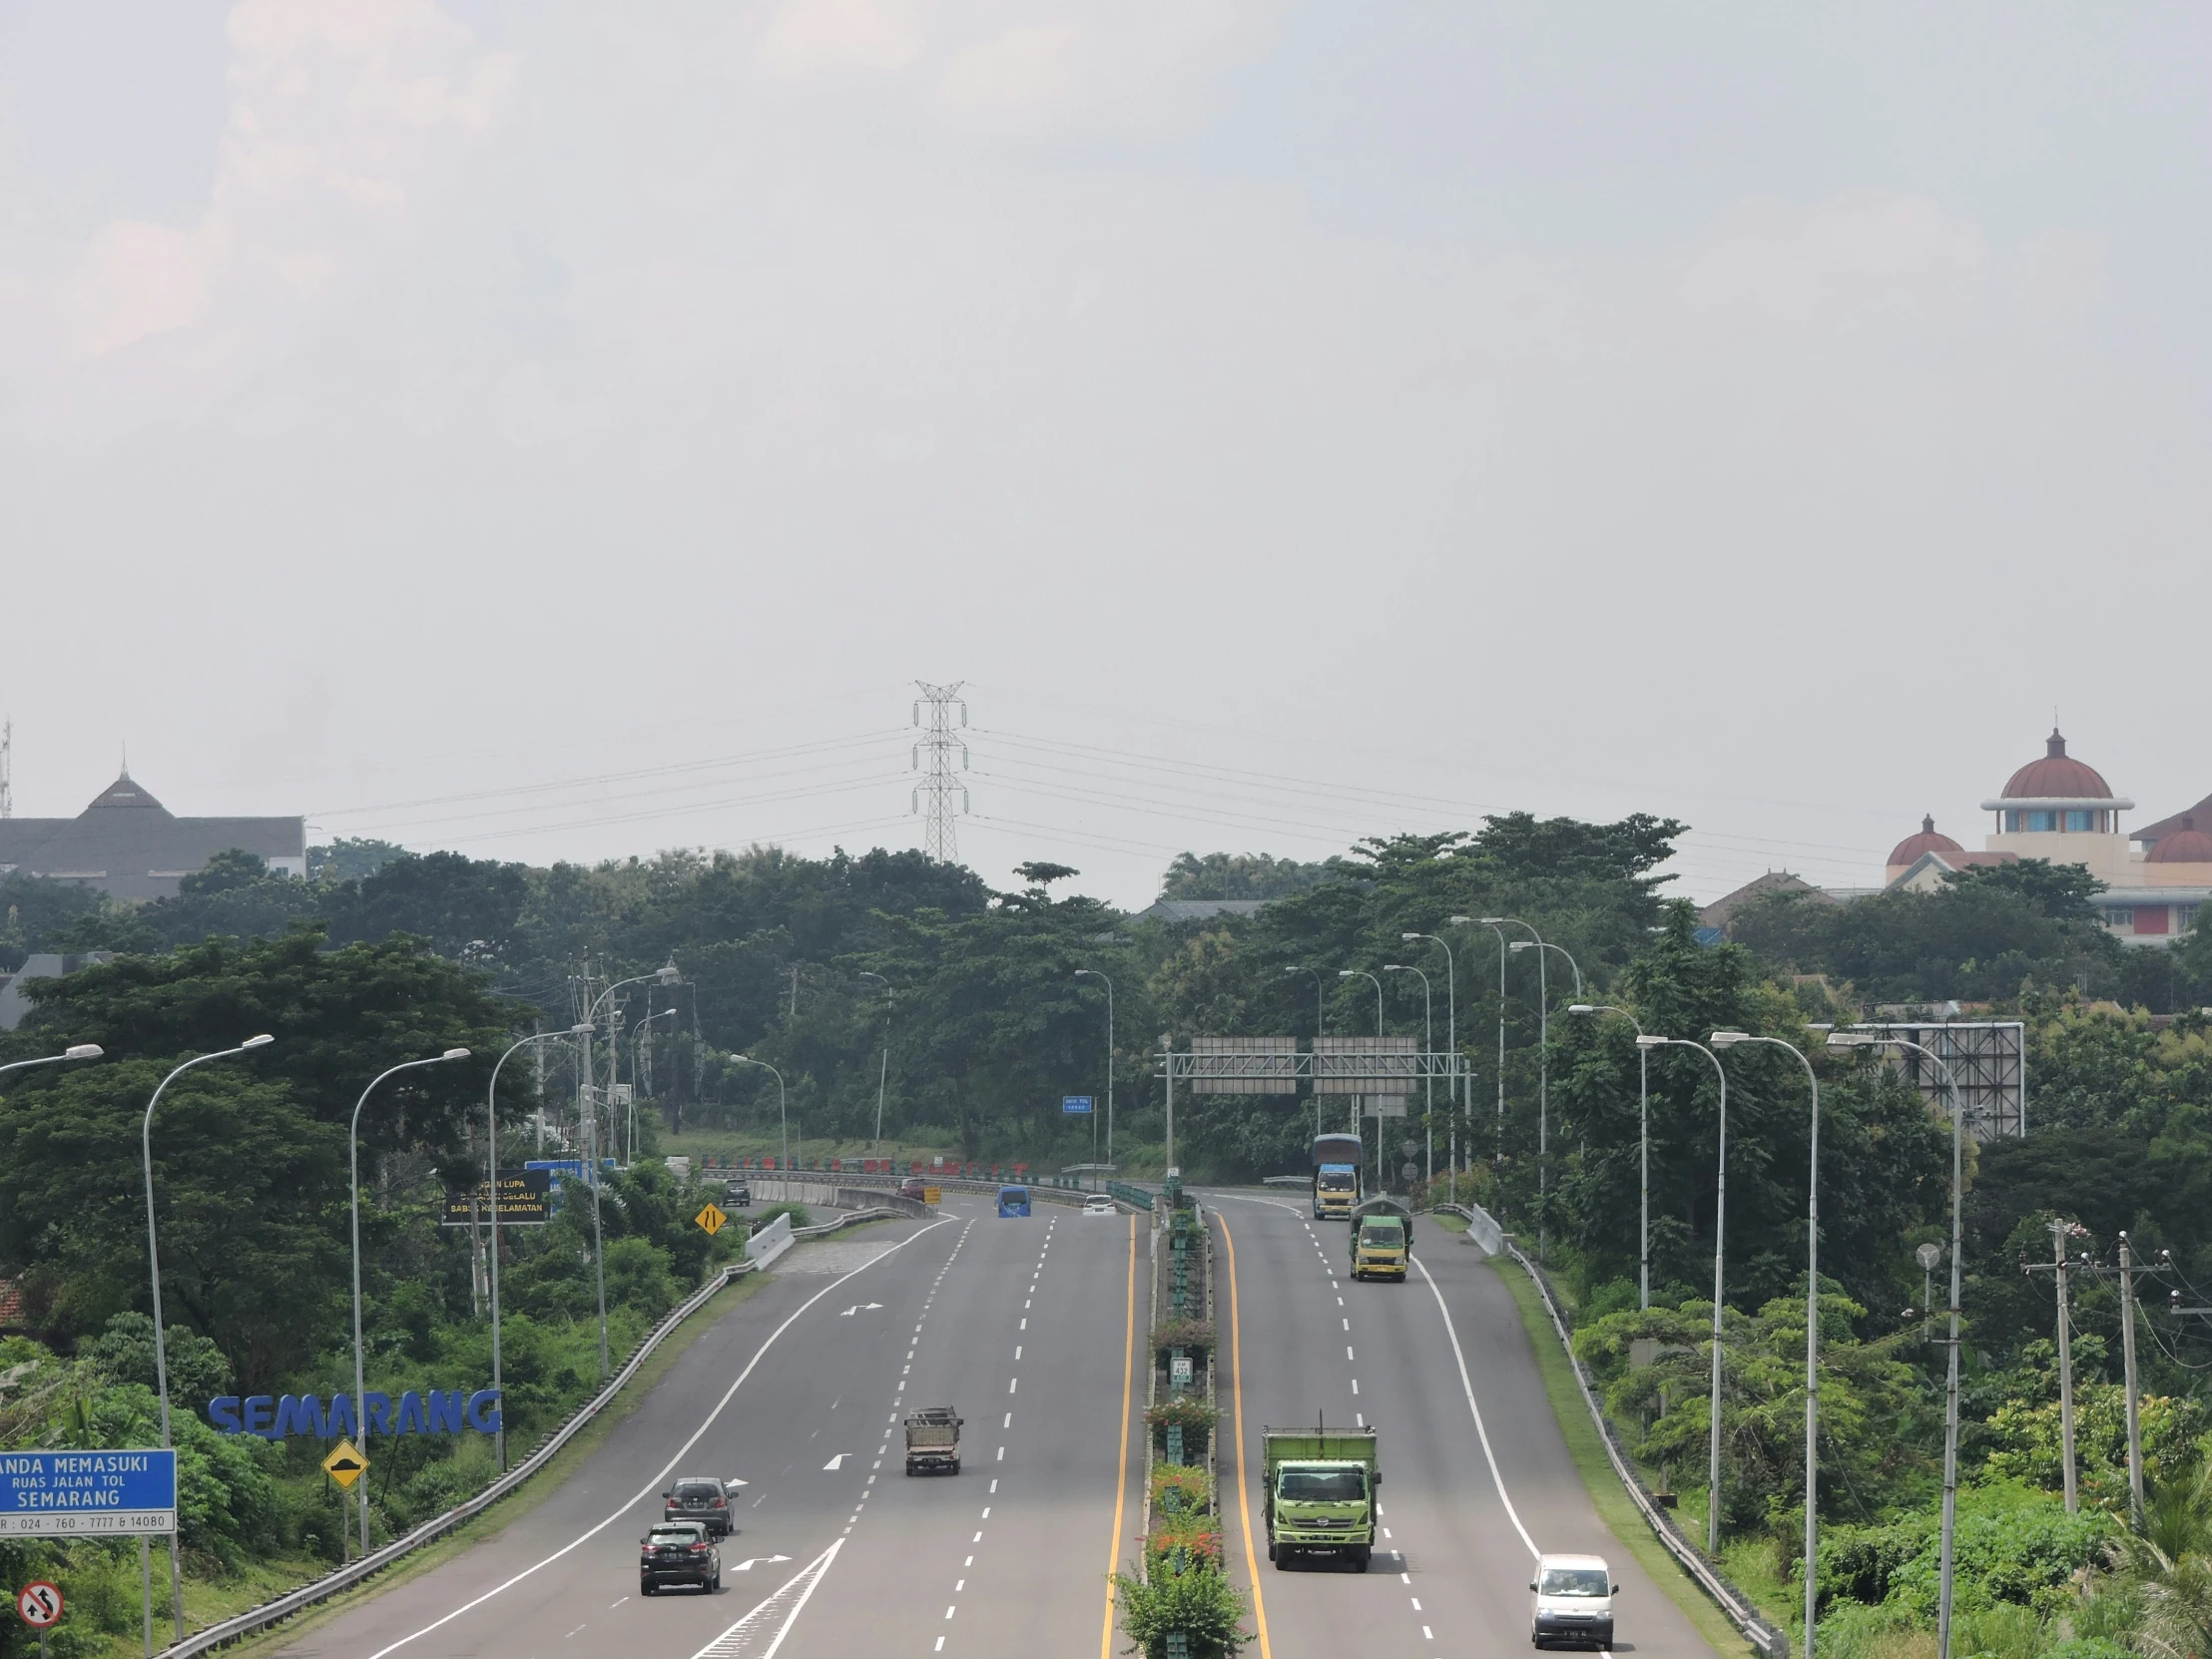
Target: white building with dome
pixel 2061 809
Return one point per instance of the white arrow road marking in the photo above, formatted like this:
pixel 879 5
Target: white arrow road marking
pixel 834 1463
pixel 771 1621
pixel 755 1562
pixel 667 1469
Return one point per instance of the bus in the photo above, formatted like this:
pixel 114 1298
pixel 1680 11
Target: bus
pixel 1337 1160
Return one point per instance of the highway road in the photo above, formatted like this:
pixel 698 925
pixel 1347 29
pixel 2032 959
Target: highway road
pixel 1029 1327
pixel 1026 1325
pixel 1477 1477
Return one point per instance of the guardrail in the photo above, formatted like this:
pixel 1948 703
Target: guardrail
pixel 1773 1643
pixel 1482 1228
pixel 240 1625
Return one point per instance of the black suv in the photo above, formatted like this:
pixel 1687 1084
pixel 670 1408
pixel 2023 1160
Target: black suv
pixel 698 1498
pixel 737 1193
pixel 677 1552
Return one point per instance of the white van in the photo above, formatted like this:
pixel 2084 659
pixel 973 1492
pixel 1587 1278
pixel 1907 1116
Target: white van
pixel 1572 1601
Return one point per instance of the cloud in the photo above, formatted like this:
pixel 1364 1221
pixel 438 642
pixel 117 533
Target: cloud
pixel 810 39
pixel 340 112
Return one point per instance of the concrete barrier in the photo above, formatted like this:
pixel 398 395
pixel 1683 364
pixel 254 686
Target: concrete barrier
pixel 769 1241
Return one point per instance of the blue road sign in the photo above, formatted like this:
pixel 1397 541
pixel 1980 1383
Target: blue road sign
pixel 1075 1103
pixel 63 1494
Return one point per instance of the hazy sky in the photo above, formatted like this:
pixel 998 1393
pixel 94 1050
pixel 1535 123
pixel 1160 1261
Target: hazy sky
pixel 562 431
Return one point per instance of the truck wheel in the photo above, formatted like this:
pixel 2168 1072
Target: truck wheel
pixel 1359 1556
pixel 1280 1556
pixel 956 1465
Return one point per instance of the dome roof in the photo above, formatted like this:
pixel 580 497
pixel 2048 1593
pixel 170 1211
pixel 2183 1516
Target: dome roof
pixel 1929 839
pixel 2187 845
pixel 2056 776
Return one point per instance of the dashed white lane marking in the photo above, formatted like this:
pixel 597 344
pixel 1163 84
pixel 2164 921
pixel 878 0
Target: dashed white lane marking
pixel 653 1486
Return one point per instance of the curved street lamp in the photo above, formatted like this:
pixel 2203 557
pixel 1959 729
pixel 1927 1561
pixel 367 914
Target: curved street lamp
pixel 637 1041
pixel 1492 923
pixel 153 1265
pixel 1429 1083
pixel 76 1051
pixel 882 1070
pixel 491 1142
pixel 1720 1224
pixel 665 974
pixel 1729 1039
pixel 1451 1042
pixel 1948 1562
pixel 781 1113
pixel 354 1154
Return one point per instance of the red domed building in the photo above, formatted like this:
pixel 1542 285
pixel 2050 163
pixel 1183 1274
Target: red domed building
pixel 2061 808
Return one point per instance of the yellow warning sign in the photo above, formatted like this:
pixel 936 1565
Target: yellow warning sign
pixel 345 1465
pixel 932 1194
pixel 712 1219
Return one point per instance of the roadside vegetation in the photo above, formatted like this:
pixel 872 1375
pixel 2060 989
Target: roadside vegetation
pixel 382 955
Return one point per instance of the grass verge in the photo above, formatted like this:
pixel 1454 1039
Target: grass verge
pixel 1614 1506
pixel 206 1602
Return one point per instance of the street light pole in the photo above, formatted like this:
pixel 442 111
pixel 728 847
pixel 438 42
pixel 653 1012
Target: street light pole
pixel 782 1113
pixel 491 1142
pixel 1492 923
pixel 645 1026
pixel 154 1266
pixel 1429 1083
pixel 1947 1559
pixel 882 1070
pixel 1321 1024
pixel 1643 1149
pixel 1362 973
pixel 1720 1235
pixel 1095 974
pixel 354 1154
pixel 1451 1042
pixel 1729 1039
pixel 589 1114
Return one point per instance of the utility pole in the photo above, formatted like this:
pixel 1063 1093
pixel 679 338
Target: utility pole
pixel 938 782
pixel 2062 1229
pixel 2127 1353
pixel 7 769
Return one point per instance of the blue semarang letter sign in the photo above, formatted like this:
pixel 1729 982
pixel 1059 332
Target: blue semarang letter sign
pixel 432 1411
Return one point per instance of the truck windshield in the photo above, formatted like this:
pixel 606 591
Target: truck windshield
pixel 1383 1235
pixel 1323 1486
pixel 1337 1181
pixel 1573 1582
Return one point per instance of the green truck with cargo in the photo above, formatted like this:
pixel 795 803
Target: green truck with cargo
pixel 1320 1493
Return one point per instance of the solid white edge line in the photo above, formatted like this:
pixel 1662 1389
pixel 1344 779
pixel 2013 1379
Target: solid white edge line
pixel 828 1559
pixel 668 1468
pixel 1467 1383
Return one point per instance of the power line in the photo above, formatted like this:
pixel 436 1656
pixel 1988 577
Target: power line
pixel 938 839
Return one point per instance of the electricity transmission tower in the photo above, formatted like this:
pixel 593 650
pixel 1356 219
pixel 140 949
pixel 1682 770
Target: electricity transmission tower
pixel 937 780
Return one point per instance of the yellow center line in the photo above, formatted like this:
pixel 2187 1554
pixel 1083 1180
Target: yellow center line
pixel 1244 1500
pixel 1120 1484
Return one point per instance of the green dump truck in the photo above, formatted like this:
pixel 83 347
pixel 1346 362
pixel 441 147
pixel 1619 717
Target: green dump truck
pixel 1320 1493
pixel 1381 1239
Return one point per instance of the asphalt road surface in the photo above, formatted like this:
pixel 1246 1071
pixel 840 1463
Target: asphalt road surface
pixel 1465 1505
pixel 1028 1327
pixel 1024 1326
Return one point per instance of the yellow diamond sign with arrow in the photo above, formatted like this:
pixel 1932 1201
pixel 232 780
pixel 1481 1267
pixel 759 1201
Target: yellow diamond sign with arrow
pixel 345 1465
pixel 712 1219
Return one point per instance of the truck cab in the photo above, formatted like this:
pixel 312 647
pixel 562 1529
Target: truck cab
pixel 1335 1161
pixel 1320 1493
pixel 1571 1600
pixel 1381 1239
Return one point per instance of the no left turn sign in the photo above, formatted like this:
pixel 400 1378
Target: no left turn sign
pixel 40 1604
